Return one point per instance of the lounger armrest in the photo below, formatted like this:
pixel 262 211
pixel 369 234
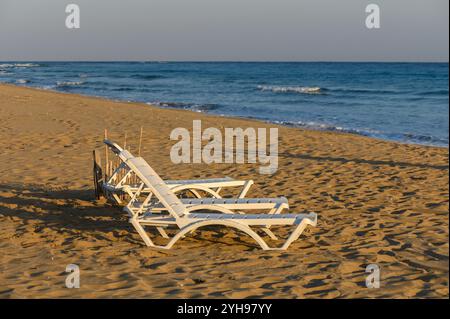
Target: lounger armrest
pixel 310 217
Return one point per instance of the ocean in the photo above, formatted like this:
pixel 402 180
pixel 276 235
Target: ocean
pixel 404 102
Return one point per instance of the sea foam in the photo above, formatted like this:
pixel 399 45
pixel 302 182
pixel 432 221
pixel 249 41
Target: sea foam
pixel 292 89
pixel 68 83
pixel 18 65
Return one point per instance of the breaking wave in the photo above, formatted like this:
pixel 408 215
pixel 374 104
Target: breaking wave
pixel 198 107
pixel 18 65
pixel 291 89
pixel 66 84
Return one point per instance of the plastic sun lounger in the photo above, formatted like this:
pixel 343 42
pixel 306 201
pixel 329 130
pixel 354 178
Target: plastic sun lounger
pixel 116 185
pixel 183 215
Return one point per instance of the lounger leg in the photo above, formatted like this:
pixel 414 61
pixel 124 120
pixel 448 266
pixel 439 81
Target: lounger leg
pixel 162 232
pixel 295 234
pixel 244 228
pixel 278 209
pixel 117 198
pixel 245 189
pixel 269 233
pixel 274 211
pixel 141 232
pixel 191 227
pixel 180 234
pixel 194 190
pixel 196 194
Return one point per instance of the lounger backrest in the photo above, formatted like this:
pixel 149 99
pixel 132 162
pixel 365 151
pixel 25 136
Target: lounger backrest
pixel 152 180
pixel 125 155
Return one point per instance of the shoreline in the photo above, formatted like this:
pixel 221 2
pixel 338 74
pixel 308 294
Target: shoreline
pixel 287 125
pixel 378 202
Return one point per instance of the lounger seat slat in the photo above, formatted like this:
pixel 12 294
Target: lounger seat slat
pixel 199 181
pixel 229 203
pixel 248 219
pixel 225 202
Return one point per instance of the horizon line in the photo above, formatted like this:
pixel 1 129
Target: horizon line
pixel 226 61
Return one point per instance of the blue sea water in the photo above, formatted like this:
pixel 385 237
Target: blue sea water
pixel 406 102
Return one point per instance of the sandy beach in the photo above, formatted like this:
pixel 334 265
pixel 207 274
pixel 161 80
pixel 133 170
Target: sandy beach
pixel 378 202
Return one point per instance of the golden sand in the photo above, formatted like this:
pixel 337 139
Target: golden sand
pixel 378 202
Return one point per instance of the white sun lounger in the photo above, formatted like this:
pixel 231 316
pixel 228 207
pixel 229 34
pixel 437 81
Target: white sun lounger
pixel 115 185
pixel 185 216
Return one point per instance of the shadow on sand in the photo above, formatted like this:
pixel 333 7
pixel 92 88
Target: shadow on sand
pixel 76 212
pixel 61 209
pixel 363 161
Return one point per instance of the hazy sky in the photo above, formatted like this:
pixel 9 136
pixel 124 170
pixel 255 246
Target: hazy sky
pixel 250 30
